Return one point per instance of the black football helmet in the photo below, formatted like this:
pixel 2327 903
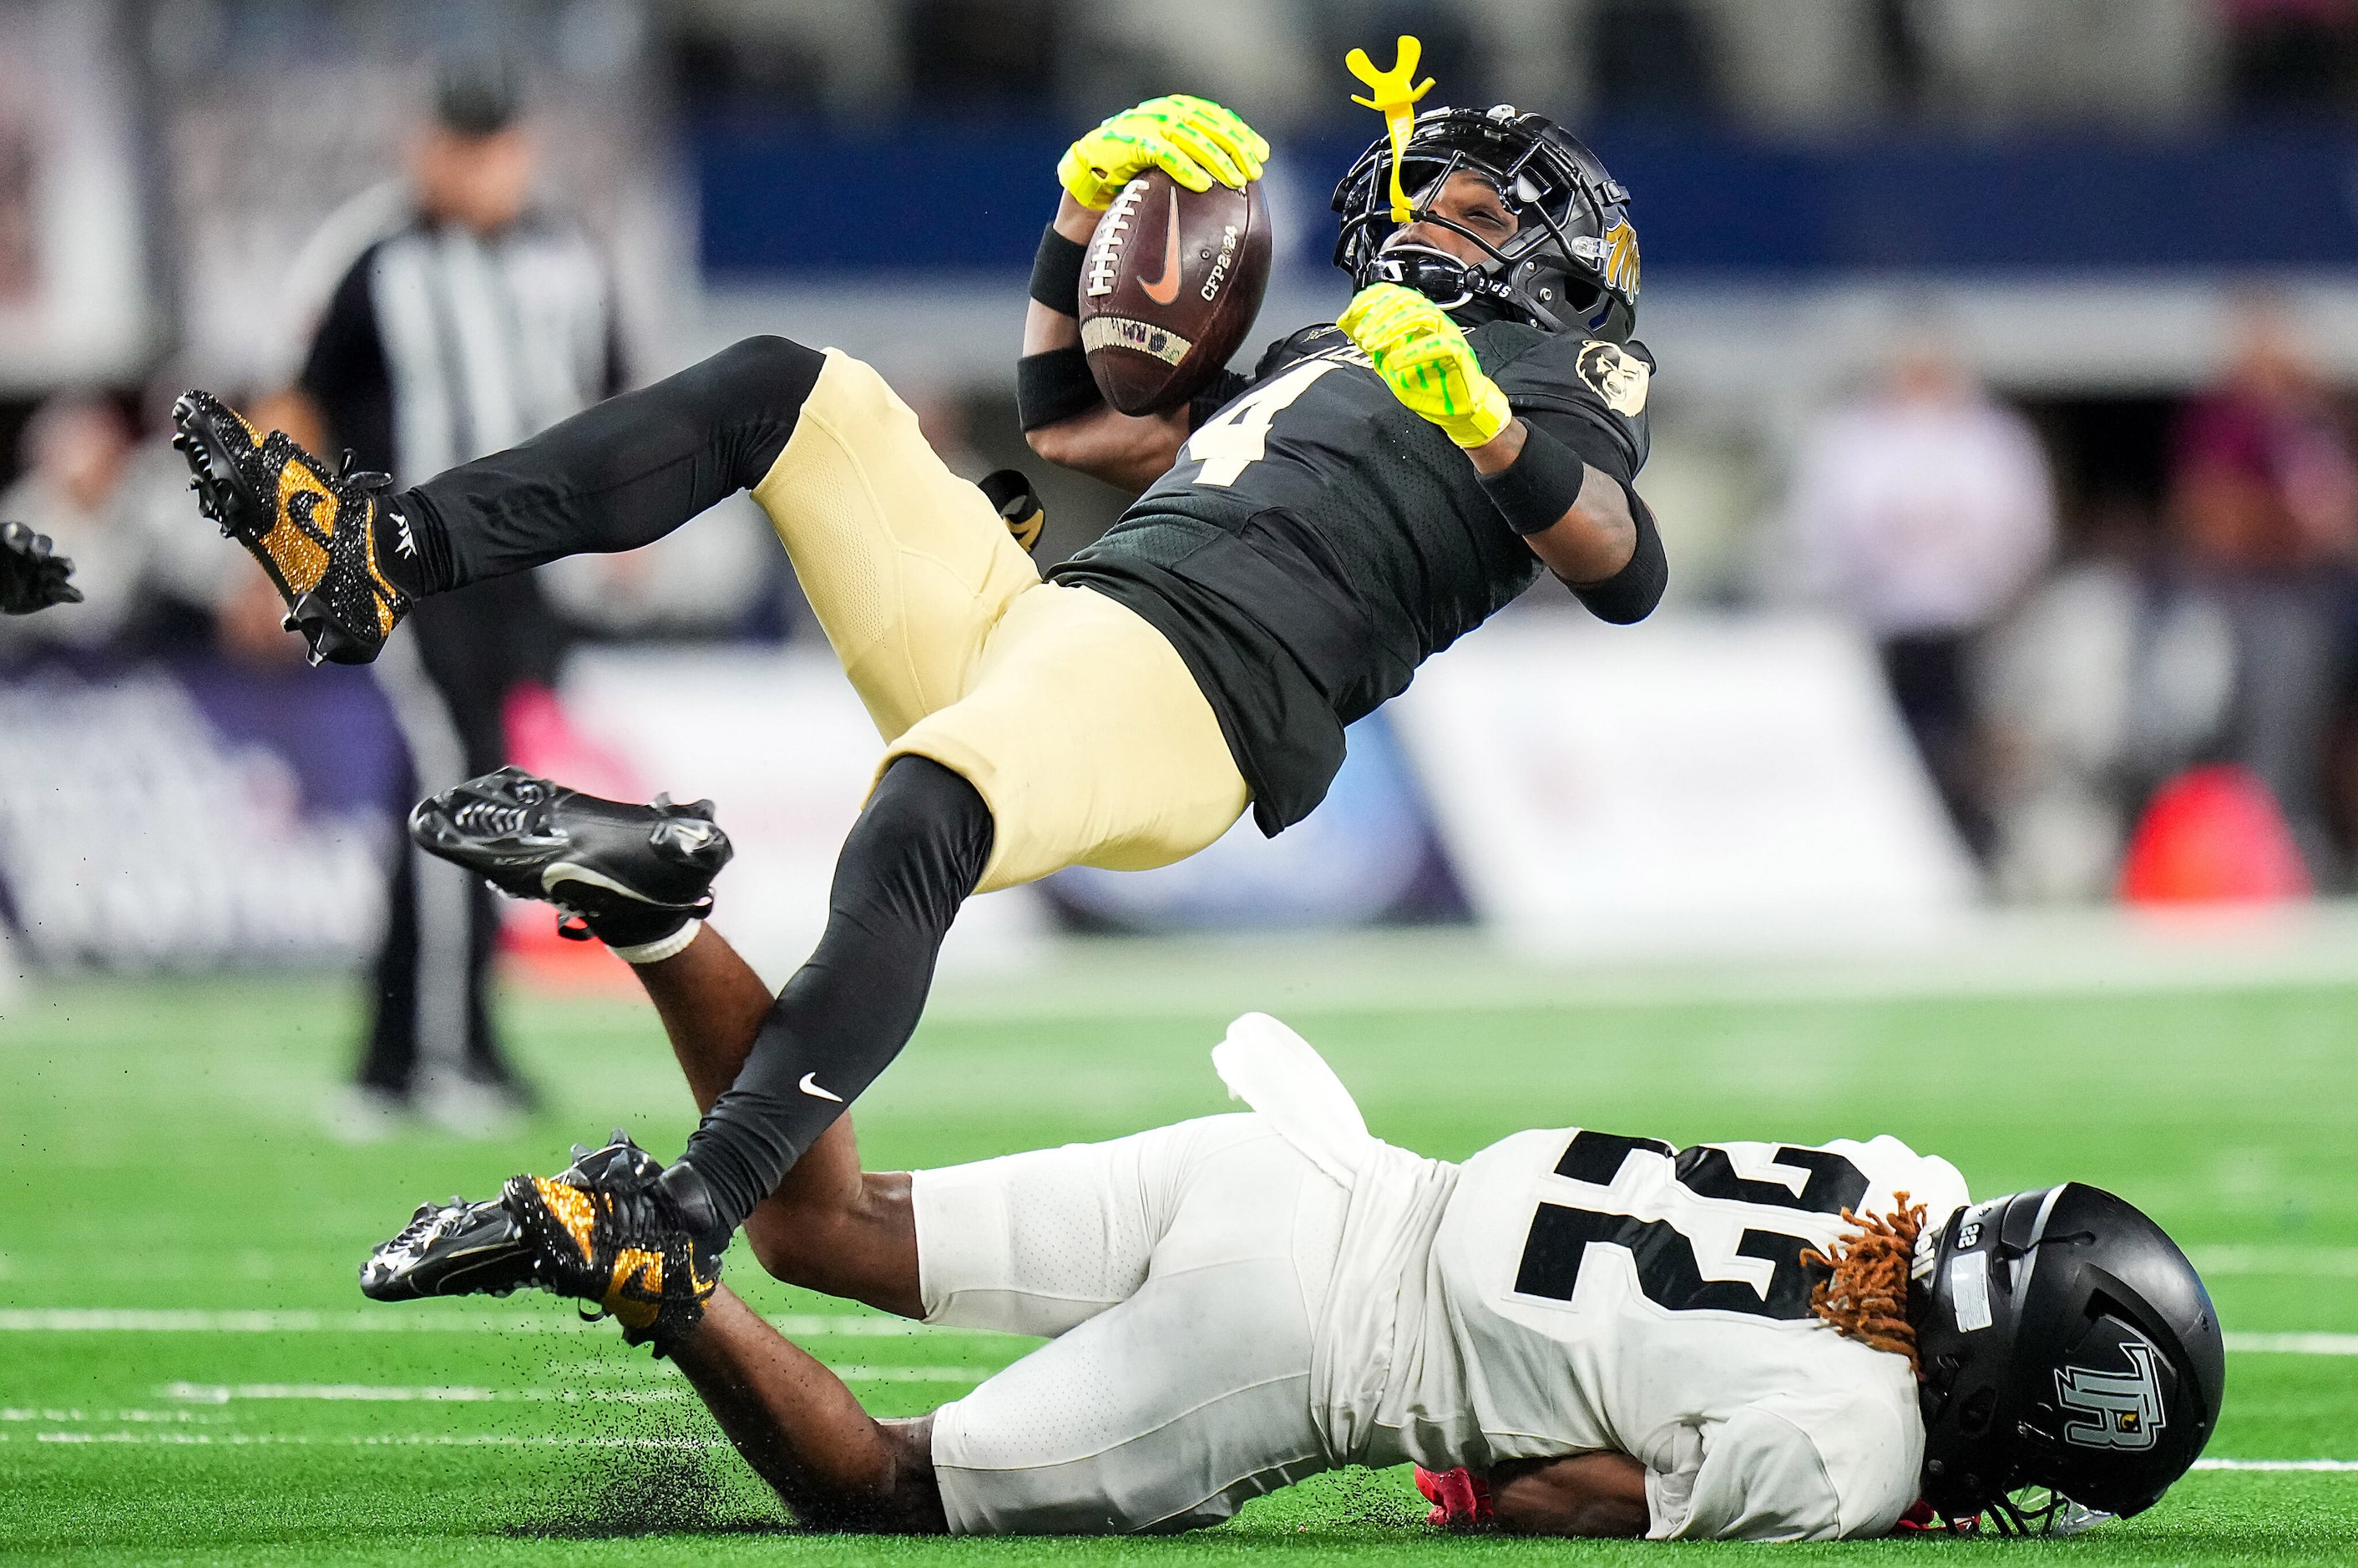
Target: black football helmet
pixel 1572 263
pixel 2069 1355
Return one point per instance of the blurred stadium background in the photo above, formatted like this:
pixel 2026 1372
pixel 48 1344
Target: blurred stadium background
pixel 2004 451
pixel 2002 343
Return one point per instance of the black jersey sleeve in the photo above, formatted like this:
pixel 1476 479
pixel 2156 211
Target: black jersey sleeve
pixel 1588 394
pixel 1591 395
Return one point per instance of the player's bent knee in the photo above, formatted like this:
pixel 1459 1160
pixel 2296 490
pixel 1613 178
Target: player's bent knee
pixel 751 397
pixel 767 356
pixel 769 370
pixel 925 829
pixel 772 1245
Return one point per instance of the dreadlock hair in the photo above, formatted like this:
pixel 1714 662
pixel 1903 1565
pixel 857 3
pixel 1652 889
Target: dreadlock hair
pixel 1864 1295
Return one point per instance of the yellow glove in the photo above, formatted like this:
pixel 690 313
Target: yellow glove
pixel 1193 140
pixel 1426 360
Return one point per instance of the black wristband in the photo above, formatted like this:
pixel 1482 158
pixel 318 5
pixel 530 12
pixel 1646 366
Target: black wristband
pixel 1540 486
pixel 1056 272
pixel 1054 385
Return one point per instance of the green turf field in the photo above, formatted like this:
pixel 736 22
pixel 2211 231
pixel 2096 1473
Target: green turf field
pixel 188 1373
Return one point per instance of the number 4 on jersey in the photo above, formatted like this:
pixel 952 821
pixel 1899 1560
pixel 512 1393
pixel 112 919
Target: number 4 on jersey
pixel 1238 436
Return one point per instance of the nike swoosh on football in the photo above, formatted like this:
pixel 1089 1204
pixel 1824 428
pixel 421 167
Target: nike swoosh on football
pixel 810 1086
pixel 1165 289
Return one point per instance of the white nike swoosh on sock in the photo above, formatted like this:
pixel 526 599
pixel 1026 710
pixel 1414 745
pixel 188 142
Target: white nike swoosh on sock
pixel 810 1086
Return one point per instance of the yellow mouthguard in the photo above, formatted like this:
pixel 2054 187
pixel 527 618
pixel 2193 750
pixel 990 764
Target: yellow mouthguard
pixel 1391 95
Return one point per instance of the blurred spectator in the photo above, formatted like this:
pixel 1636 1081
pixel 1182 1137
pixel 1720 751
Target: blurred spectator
pixel 2264 506
pixel 468 321
pixel 151 574
pixel 1923 510
pixel 76 450
pixel 2111 680
pixel 2289 55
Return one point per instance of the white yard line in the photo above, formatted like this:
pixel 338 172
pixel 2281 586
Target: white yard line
pixel 413 1440
pixel 2335 1466
pixel 379 1393
pixel 2294 1343
pixel 2295 1262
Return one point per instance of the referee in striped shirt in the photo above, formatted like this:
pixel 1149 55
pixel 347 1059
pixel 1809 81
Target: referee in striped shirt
pixel 468 321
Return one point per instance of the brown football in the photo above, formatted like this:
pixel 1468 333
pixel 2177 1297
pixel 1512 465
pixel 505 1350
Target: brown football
pixel 1169 286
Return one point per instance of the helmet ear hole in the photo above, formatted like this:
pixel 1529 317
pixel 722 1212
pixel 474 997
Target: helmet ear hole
pixel 1975 1419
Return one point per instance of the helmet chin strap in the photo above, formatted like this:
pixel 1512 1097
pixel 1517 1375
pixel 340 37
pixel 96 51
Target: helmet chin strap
pixel 1431 271
pixel 1450 282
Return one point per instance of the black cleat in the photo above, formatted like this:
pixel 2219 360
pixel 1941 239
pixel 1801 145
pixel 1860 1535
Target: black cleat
pixel 313 531
pixel 626 874
pixel 610 1232
pixel 1010 494
pixel 609 1229
pixel 458 1248
pixel 32 577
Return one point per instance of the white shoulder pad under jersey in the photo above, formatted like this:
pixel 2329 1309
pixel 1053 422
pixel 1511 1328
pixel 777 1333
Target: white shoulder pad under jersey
pixel 1612 1292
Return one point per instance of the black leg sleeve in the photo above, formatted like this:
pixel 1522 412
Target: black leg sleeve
pixel 917 850
pixel 618 475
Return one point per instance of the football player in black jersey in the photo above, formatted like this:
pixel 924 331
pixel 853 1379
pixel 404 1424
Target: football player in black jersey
pixel 1310 536
pixel 1378 487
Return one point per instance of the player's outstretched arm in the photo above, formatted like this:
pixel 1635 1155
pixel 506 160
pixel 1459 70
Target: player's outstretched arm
pixel 1594 1494
pixel 1573 515
pixel 1591 540
pixel 1066 419
pixel 1127 451
pixel 803 1432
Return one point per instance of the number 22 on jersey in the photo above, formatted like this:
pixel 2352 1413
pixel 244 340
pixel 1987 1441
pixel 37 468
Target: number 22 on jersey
pixel 1238 436
pixel 1668 1273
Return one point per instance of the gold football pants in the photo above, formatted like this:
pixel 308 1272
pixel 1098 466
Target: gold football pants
pixel 1076 720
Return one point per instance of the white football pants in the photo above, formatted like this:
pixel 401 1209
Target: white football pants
pixel 1182 1271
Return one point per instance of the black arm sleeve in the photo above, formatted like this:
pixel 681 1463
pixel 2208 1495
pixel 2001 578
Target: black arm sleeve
pixel 1054 385
pixel 1632 594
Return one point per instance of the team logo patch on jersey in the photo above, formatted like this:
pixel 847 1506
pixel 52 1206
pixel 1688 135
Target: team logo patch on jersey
pixel 2115 1410
pixel 1619 378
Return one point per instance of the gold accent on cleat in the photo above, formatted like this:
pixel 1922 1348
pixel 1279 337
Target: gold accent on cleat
pixel 301 560
pixel 636 1267
pixel 572 1208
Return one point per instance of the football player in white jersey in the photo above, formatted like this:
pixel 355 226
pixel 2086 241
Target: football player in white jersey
pixel 1576 1333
